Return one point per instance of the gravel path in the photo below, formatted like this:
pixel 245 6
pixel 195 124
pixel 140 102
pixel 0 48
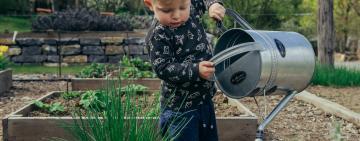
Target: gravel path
pixel 302 121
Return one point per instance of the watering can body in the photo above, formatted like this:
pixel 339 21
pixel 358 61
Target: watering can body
pixel 282 61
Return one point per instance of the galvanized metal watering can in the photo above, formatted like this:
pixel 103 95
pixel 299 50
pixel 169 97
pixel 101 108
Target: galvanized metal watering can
pixel 250 61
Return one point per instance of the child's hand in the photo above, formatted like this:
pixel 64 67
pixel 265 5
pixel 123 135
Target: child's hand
pixel 217 11
pixel 206 69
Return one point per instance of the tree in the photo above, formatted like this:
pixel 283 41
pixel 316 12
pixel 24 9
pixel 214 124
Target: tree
pixel 326 32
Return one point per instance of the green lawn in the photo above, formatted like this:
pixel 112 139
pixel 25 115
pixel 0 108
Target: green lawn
pixel 15 23
pixel 38 69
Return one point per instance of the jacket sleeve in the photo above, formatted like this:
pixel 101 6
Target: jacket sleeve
pixel 162 55
pixel 200 6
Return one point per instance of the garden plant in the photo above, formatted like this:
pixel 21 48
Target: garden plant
pixel 4 63
pixel 112 114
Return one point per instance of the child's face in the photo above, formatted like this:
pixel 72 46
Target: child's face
pixel 171 13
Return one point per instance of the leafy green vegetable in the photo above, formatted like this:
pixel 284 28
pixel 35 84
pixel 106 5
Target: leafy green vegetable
pixel 92 99
pixel 54 108
pixel 133 72
pixel 136 62
pixel 70 95
pixel 93 71
pixel 134 88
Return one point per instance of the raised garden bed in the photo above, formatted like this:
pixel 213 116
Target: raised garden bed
pixel 130 71
pixel 19 126
pixel 80 84
pixel 5 80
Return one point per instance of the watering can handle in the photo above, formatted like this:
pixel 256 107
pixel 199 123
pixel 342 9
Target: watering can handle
pixel 235 50
pixel 240 20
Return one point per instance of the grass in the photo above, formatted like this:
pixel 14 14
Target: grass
pixel 39 69
pixel 336 77
pixel 20 24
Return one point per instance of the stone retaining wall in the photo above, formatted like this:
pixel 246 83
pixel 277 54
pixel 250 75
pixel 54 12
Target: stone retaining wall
pixel 77 50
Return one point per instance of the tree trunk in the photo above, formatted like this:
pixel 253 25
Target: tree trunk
pixel 326 32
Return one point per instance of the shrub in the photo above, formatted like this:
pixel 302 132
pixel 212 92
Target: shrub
pixel 82 20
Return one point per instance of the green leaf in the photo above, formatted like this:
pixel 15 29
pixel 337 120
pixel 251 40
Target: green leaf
pixel 56 107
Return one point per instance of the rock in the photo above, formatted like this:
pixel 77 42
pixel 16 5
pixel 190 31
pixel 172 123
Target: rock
pixel 93 50
pixel 49 50
pixel 112 40
pixel 14 51
pixel 90 42
pixel 34 50
pixel 52 58
pixel 317 112
pixel 97 59
pixel 25 42
pixel 51 42
pixel 69 41
pixel 134 49
pixel 28 59
pixel 310 114
pixel 70 49
pixel 75 59
pixel 115 59
pixel 114 50
pixel 134 41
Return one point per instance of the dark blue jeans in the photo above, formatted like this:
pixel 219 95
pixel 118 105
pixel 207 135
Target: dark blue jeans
pixel 194 125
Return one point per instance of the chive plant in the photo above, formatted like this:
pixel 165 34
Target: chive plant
pixel 119 119
pixel 338 77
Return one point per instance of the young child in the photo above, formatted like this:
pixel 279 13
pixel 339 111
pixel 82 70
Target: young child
pixel 178 51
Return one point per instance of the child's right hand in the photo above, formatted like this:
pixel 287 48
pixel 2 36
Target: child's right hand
pixel 206 69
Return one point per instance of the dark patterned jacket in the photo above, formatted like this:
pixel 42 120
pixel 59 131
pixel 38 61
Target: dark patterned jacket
pixel 175 55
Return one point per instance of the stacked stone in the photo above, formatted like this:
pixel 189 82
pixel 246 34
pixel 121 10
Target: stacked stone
pixel 76 50
pixel 51 51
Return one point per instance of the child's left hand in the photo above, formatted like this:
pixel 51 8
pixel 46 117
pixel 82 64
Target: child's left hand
pixel 217 11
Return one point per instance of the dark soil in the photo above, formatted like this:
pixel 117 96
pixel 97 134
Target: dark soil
pixel 221 105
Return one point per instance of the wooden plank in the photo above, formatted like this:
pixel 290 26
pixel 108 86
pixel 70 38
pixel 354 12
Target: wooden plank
pixel 241 106
pixel 24 111
pixel 36 128
pixel 236 128
pixel 79 84
pixel 330 107
pixel 5 80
